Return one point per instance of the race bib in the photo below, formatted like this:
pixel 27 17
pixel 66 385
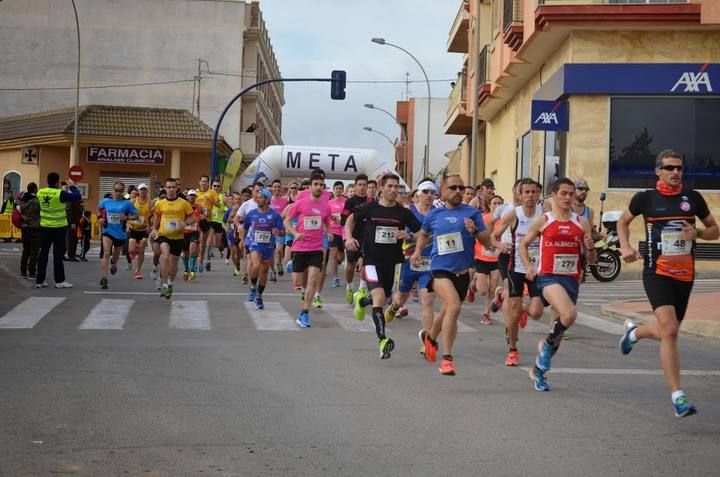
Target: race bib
pixel 192 227
pixel 565 264
pixel 489 252
pixel 534 252
pixel 174 225
pixel 506 237
pixel 423 266
pixel 673 243
pixel 115 219
pixel 450 243
pixel 139 221
pixel 312 222
pixel 385 235
pixel 216 214
pixel 263 236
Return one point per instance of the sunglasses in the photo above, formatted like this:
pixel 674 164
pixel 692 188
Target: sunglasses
pixel 293 188
pixel 456 187
pixel 584 189
pixel 672 168
pixel 216 185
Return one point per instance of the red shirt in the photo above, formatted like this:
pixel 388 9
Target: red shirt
pixel 561 244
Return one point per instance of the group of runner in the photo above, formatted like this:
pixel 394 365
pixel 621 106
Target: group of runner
pixel 446 245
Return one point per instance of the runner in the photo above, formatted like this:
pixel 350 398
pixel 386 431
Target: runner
pixel 487 276
pixel 242 211
pixel 454 229
pixel 411 275
pixel 352 257
pixel 669 212
pixel 192 238
pixel 278 203
pixel 383 226
pixel 206 200
pixel 113 214
pixel 291 195
pixel 372 189
pixel 562 234
pixel 262 224
pixel 519 221
pixel 487 191
pixel 337 246
pixel 162 194
pixel 171 216
pixel 139 229
pixel 232 234
pixel 313 218
pixel 216 235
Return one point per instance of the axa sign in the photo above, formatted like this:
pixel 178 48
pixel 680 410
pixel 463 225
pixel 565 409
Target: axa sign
pixel 549 116
pixel 693 82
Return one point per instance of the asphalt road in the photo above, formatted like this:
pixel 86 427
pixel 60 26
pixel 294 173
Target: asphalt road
pixel 127 383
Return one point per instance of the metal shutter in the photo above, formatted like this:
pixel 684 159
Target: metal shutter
pixel 108 179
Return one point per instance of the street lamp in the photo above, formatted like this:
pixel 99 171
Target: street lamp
pixel 74 159
pixel 372 106
pixel 404 136
pixel 368 128
pixel 426 159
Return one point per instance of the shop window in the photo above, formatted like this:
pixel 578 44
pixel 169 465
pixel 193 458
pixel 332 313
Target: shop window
pixel 642 127
pixel 12 184
pixel 554 154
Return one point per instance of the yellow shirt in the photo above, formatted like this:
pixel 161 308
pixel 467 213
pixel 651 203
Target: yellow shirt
pixel 143 219
pixel 172 217
pixel 206 200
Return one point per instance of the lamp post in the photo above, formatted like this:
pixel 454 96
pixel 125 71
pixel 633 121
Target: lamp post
pixel 426 158
pixel 74 159
pixel 368 128
pixel 404 136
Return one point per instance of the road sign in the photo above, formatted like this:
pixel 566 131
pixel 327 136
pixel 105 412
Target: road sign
pixel 75 173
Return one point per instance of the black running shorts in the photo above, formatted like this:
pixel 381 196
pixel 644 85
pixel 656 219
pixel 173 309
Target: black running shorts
pixel 461 281
pixel 666 291
pixel 303 260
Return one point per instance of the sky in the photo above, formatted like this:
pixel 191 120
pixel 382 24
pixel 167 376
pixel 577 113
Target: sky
pixel 314 37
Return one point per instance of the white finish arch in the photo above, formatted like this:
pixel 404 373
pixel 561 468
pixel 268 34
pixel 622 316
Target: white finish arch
pixel 276 162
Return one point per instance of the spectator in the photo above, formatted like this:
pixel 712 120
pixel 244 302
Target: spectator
pixel 86 229
pixel 74 214
pixel 30 219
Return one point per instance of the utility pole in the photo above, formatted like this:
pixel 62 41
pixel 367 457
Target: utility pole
pixel 474 94
pixel 199 81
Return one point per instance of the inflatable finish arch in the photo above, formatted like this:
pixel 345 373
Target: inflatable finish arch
pixel 277 162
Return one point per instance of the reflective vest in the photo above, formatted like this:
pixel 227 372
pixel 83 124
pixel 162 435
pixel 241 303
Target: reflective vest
pixel 52 211
pixel 217 212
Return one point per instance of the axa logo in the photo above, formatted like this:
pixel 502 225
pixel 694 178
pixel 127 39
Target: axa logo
pixel 547 118
pixel 694 82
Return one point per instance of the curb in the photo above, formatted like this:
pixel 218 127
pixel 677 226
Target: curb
pixel 701 328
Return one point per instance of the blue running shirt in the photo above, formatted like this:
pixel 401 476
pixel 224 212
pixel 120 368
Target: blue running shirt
pixel 453 248
pixel 259 226
pixel 116 211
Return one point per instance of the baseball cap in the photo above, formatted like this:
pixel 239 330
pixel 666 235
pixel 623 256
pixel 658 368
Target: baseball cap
pixel 142 186
pixel 192 192
pixel 267 193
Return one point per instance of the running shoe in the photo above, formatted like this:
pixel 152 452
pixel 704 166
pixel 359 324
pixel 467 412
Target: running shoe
pixel 386 347
pixel 113 268
pixel 227 262
pixel 470 297
pixel 422 342
pixel 208 266
pixel 138 275
pixel 401 313
pixel 288 267
pixel 128 266
pixel 539 380
pixel 164 292
pixel 169 292
pixel 245 280
pixel 259 303
pixel 336 282
pixel 683 407
pixel 497 300
pixel 512 358
pixel 251 294
pixel 359 310
pixel 447 366
pixel 154 273
pixel 317 302
pixel 414 294
pixel 104 283
pixel 186 276
pixel 523 319
pixel 158 283
pixel 63 285
pixel 349 296
pixel 303 320
pixel 273 276
pixel 200 267
pixel 544 356
pixel 626 345
pixel 390 314
pixel 431 347
pixel 280 270
pixel 193 275
pixel 237 272
pixel 486 320
pixel 41 285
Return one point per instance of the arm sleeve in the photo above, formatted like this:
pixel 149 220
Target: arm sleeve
pixel 638 203
pixel 702 208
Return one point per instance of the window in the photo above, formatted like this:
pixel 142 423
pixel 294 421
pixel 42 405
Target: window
pixel 642 127
pixel 554 155
pixel 12 184
pixel 525 156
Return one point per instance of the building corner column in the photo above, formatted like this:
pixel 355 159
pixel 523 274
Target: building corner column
pixel 175 163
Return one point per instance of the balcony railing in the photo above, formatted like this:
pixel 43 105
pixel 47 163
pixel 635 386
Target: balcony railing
pixel 484 66
pixel 608 2
pixel 458 94
pixel 512 13
pixel 248 143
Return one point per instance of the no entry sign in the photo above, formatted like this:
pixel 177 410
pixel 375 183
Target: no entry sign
pixel 75 173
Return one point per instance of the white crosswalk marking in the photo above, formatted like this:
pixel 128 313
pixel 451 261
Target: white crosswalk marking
pixel 272 318
pixel 343 315
pixel 189 315
pixel 28 313
pixel 109 314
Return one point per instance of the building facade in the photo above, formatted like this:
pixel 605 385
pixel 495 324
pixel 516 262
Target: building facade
pixel 591 88
pixel 186 54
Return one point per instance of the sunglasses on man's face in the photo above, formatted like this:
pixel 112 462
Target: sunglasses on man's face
pixel 672 168
pixel 216 185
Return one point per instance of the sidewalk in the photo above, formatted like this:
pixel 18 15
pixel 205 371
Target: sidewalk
pixel 702 317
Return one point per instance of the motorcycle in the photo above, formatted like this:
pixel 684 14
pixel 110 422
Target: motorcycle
pixel 609 263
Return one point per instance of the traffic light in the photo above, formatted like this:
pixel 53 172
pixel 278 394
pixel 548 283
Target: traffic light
pixel 337 84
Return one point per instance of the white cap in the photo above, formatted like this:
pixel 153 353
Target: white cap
pixel 142 186
pixel 427 185
pixel 192 192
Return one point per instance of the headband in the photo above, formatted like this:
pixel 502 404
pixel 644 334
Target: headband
pixel 427 185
